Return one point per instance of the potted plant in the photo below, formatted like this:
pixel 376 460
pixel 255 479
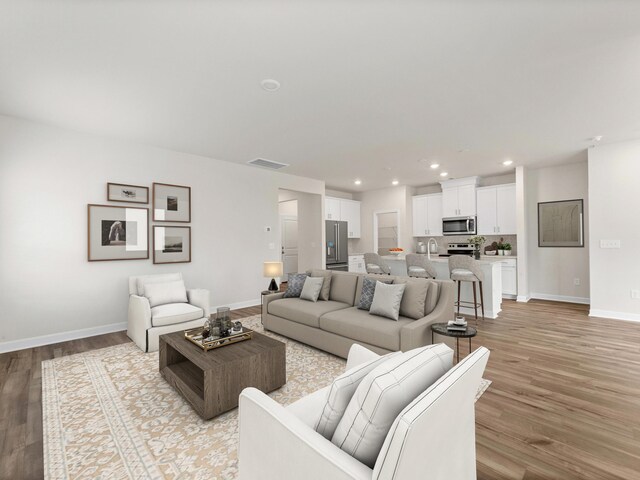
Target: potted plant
pixel 507 249
pixel 477 241
pixel 500 247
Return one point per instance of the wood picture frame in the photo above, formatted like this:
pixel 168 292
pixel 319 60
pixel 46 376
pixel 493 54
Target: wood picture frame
pixel 125 193
pixel 171 203
pixel 171 244
pixel 117 233
pixel 561 224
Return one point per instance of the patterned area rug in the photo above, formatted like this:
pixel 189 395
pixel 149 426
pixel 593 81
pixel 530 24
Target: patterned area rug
pixel 109 414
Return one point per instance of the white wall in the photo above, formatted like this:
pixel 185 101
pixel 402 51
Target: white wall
pixel 338 194
pixel 47 178
pixel 614 202
pixel 552 270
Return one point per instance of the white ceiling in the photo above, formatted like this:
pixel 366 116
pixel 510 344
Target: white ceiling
pixel 369 88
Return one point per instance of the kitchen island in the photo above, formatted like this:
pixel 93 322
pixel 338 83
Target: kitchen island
pixel 491 285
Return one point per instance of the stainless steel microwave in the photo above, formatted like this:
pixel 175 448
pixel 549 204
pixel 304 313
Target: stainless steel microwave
pixel 459 226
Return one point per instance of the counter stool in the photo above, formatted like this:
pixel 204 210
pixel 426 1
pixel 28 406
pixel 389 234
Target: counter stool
pixel 419 266
pixel 374 264
pixel 466 269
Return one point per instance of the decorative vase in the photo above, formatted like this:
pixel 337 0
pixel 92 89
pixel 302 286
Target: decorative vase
pixel 507 252
pixel 500 252
pixel 223 317
pixel 476 254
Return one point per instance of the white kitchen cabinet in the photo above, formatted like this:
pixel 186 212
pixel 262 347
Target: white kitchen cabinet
pixel 427 215
pixel 510 277
pixel 497 210
pixel 356 264
pixel 342 209
pixel 449 202
pixel 459 197
pixel 466 200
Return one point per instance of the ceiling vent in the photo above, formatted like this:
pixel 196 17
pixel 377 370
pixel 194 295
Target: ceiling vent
pixel 261 162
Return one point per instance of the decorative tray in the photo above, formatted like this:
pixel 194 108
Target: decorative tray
pixel 194 335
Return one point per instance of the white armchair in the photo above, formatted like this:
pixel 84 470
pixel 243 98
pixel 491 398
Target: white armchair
pixel 433 438
pixel 147 323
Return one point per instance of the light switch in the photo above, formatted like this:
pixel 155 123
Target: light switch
pixel 272 246
pixel 609 243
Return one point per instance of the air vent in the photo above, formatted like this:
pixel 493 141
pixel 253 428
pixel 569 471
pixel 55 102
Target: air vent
pixel 261 162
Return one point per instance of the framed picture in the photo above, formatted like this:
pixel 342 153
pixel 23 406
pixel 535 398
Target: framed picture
pixel 117 233
pixel 171 244
pixel 561 224
pixel 118 192
pixel 171 203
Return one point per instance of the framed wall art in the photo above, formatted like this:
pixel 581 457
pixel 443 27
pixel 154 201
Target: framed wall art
pixel 119 192
pixel 171 244
pixel 117 233
pixel 561 224
pixel 171 203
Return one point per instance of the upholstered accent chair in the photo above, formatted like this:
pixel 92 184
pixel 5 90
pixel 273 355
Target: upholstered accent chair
pixel 160 304
pixel 419 266
pixel 463 268
pixel 281 443
pixel 374 264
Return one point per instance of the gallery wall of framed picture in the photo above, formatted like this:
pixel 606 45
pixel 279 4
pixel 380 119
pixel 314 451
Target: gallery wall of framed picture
pixel 121 232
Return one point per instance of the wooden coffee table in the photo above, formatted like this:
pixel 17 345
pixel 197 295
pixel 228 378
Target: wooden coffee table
pixel 212 381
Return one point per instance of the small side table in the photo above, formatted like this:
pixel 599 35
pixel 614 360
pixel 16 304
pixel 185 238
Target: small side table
pixel 441 329
pixel 262 295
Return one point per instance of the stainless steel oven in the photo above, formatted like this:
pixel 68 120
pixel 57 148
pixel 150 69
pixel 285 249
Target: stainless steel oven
pixel 459 226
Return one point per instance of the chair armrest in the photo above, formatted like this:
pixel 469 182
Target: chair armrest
pixel 139 320
pixel 418 333
pixel 275 445
pixel 267 299
pixel 359 355
pixel 199 297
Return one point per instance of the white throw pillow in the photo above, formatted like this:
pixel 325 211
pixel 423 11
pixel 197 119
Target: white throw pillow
pixel 340 393
pixel 383 394
pixel 311 288
pixel 166 292
pixel 386 300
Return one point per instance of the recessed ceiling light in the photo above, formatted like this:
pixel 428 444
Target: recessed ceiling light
pixel 506 163
pixel 597 138
pixel 435 165
pixel 395 182
pixel 444 174
pixel 270 85
pixel 358 182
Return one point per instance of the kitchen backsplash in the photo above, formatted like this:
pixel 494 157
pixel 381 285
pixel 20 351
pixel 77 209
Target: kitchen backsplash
pixel 444 241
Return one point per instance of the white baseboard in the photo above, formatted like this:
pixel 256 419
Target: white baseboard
pixel 630 317
pixel 523 298
pixel 23 343
pixel 237 305
pixel 560 298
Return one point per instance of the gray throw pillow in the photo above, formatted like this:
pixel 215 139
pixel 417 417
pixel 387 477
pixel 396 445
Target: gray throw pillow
pixel 414 297
pixel 311 289
pixel 368 289
pixel 294 285
pixel 326 285
pixel 386 300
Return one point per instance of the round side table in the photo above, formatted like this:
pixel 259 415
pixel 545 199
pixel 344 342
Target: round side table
pixel 441 329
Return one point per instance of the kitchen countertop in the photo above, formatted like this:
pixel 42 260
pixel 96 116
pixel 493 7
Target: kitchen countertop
pixel 484 259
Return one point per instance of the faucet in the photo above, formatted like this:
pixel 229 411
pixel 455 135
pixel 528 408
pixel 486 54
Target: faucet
pixel 429 247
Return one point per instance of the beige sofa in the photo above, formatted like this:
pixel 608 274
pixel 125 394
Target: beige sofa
pixel 334 325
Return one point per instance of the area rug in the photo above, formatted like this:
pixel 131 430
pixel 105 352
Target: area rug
pixel 108 414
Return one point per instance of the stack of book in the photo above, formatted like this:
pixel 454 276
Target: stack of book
pixel 453 326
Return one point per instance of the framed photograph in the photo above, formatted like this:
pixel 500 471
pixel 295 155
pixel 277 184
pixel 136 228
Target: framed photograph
pixel 117 233
pixel 118 192
pixel 171 203
pixel 171 244
pixel 561 224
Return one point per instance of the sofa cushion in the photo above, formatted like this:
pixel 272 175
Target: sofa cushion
pixel 360 326
pixel 340 393
pixel 173 313
pixel 386 300
pixel 383 394
pixel 136 284
pixel 326 285
pixel 414 298
pixel 432 297
pixel 165 293
pixel 294 285
pixel 379 278
pixel 311 289
pixel 302 311
pixel 368 290
pixel 343 287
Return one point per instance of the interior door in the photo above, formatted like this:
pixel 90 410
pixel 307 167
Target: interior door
pixel 289 237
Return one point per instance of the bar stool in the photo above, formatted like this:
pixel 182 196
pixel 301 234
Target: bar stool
pixel 374 264
pixel 463 268
pixel 419 266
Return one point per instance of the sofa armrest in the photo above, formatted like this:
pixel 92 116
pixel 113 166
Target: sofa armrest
pixel 418 333
pixel 267 299
pixel 199 297
pixel 275 445
pixel 139 320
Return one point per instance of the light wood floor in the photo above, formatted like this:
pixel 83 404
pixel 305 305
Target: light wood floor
pixel 564 402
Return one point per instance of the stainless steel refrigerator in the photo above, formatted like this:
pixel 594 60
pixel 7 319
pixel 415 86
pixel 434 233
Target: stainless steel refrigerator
pixel 337 247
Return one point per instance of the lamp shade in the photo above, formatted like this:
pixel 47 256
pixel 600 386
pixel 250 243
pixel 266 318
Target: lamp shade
pixel 272 269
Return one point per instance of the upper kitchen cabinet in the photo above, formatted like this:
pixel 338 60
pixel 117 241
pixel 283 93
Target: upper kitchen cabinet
pixel 427 215
pixel 342 209
pixel 459 197
pixel 497 210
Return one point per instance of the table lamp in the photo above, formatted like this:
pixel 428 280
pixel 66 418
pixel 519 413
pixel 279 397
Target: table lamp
pixel 272 270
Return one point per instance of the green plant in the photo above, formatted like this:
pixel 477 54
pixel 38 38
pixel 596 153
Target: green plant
pixel 500 246
pixel 507 246
pixel 477 241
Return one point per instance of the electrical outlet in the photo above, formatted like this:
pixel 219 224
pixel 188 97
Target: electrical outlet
pixel 576 281
pixel 609 243
pixel 635 294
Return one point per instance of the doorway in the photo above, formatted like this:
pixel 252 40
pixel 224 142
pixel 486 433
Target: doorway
pixel 386 231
